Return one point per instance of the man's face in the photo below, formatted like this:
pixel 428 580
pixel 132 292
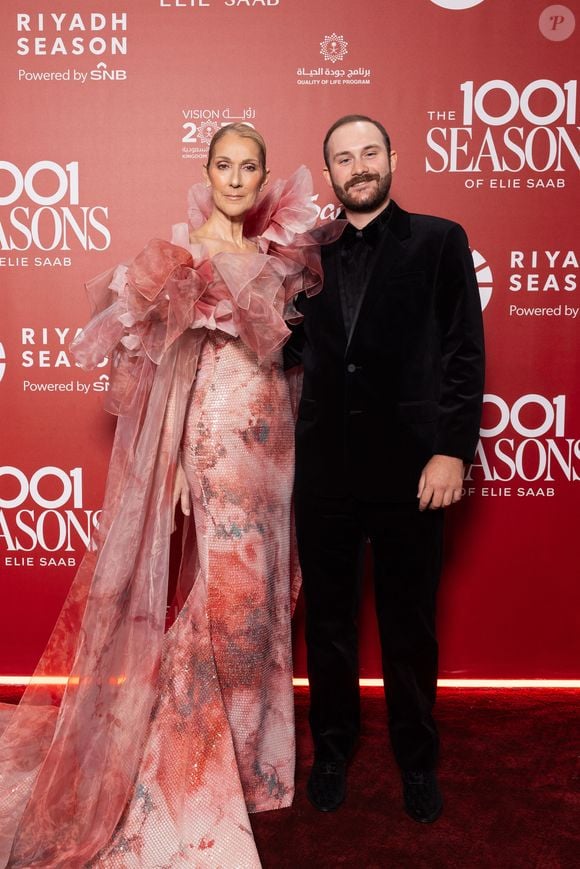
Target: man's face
pixel 359 169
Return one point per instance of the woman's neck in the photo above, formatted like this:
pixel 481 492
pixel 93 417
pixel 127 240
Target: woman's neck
pixel 220 227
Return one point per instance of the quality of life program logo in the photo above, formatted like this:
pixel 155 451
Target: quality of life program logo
pixel 43 520
pixel 56 37
pixel 499 135
pixel 199 125
pixel 43 218
pixel 334 48
pixel 2 361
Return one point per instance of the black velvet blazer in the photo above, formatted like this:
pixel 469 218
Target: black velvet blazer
pixel 407 382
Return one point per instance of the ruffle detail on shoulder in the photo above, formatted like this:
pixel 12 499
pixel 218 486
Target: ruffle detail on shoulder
pixel 283 223
pixel 284 211
pixel 164 292
pixel 169 288
pixel 144 306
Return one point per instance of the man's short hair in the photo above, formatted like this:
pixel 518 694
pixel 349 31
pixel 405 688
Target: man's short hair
pixel 351 119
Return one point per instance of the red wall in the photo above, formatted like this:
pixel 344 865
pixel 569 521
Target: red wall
pixel 482 107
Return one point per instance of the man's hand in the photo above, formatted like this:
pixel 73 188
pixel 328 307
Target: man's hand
pixel 441 482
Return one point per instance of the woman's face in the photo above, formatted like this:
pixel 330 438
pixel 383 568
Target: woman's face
pixel 235 174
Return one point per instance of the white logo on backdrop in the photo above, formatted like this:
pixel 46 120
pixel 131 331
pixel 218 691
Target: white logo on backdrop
pixel 56 220
pixel 544 281
pixel 334 47
pixel 102 73
pixel 457 4
pixel 48 348
pixel 329 211
pixel 484 278
pixel 2 361
pixel 480 138
pixel 202 123
pixel 49 515
pixel 523 442
pixel 206 131
pixel 56 33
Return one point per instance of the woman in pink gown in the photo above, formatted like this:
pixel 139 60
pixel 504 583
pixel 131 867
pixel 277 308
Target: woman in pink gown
pixel 162 743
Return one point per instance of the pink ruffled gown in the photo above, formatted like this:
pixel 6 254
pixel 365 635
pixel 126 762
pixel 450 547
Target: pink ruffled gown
pixel 163 742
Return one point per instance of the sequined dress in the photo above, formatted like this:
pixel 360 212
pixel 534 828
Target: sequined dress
pixel 164 742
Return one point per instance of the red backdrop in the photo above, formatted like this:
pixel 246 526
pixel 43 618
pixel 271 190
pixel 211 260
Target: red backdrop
pixel 107 112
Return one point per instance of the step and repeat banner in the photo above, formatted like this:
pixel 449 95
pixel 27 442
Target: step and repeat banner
pixel 107 112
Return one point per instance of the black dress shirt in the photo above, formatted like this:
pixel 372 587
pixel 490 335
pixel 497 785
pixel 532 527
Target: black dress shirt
pixel 357 248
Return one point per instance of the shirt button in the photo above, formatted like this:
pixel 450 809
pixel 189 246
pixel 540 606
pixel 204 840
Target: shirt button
pixel 351 368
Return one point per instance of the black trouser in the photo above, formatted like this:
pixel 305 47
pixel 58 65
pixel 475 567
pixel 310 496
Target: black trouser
pixel 406 547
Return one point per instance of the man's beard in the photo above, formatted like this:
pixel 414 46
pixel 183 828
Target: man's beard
pixel 367 204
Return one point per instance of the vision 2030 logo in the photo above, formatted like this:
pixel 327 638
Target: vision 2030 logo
pixel 201 124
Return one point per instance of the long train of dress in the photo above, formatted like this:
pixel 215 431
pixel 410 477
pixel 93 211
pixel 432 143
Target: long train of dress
pixel 162 744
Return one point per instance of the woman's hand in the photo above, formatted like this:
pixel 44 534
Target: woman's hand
pixel 181 490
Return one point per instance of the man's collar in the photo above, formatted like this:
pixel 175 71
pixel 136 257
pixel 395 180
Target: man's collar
pixel 372 231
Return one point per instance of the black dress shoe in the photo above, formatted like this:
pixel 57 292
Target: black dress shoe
pixel 326 788
pixel 423 800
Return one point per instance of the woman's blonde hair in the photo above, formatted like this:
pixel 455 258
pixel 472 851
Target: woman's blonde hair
pixel 245 131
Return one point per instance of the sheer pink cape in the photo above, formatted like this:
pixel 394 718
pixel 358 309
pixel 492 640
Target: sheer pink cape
pixel 68 757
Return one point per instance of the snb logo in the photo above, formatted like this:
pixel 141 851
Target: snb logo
pixel 101 73
pixel 2 361
pixel 456 4
pixel 334 48
pixel 484 278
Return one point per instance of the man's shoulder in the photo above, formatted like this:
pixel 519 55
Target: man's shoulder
pixel 427 222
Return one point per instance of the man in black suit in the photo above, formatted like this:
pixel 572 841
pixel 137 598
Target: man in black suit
pixel 392 350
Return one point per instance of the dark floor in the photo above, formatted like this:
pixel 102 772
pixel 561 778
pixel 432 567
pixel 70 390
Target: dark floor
pixel 510 778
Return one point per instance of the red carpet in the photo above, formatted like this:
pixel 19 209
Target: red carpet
pixel 509 775
pixel 510 779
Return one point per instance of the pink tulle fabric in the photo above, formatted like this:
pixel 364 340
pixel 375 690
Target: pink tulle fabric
pixel 160 743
